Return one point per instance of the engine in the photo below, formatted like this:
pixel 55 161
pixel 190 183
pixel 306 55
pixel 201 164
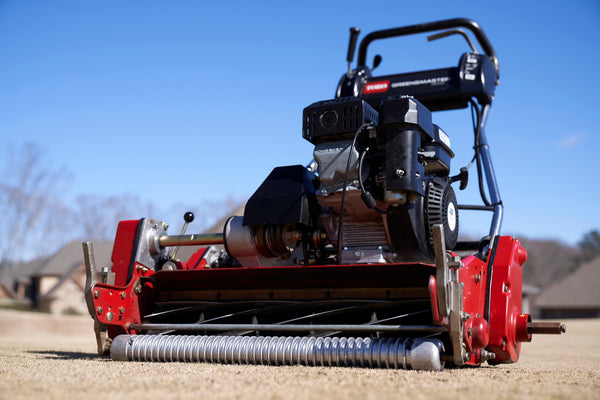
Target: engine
pixel 378 184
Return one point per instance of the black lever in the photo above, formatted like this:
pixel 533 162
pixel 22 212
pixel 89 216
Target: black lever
pixel 376 61
pixel 453 32
pixel 187 218
pixel 463 177
pixel 352 47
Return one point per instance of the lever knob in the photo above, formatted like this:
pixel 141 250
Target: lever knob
pixel 188 217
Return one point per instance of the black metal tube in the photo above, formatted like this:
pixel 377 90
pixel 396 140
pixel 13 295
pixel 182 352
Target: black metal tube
pixel 429 27
pixel 490 176
pixel 475 207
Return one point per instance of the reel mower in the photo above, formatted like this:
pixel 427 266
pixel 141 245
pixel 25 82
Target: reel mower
pixel 353 260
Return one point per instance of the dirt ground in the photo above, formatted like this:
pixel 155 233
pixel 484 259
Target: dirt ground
pixel 53 357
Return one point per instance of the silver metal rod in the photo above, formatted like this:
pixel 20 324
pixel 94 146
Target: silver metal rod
pixel 420 353
pixel 289 327
pixel 190 240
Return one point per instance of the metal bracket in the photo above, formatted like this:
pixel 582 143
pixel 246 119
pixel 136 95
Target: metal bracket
pixel 442 272
pixel 449 293
pixel 91 278
pixel 455 324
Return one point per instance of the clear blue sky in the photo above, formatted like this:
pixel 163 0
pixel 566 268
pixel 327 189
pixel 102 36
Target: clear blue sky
pixel 184 102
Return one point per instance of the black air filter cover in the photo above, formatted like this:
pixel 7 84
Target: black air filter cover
pixel 337 119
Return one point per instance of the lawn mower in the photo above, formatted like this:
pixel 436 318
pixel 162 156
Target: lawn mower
pixel 352 260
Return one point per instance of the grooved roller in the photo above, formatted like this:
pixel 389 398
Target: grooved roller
pixel 421 354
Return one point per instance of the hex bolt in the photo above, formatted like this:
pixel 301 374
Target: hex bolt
pixel 142 269
pixel 99 310
pixel 96 293
pixel 487 355
pixel 123 295
pixel 466 356
pixel 121 310
pixel 455 262
pixel 138 289
pixel 109 316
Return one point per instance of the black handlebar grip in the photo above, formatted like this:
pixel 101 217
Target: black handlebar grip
pixel 352 45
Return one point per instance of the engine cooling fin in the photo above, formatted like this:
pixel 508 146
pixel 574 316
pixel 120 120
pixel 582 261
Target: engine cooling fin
pixel 441 209
pixel 396 353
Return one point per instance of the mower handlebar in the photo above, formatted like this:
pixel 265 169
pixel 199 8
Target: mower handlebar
pixel 471 25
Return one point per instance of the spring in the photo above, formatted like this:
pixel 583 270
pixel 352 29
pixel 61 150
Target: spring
pixel 423 354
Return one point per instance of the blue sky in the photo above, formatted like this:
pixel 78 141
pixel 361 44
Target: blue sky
pixel 185 103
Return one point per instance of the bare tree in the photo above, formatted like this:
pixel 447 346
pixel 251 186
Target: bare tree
pixel 547 261
pixel 589 246
pixel 207 213
pixel 30 204
pixel 36 220
pixel 98 216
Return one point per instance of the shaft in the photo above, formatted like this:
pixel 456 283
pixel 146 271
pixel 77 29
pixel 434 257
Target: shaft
pixel 546 327
pixel 190 240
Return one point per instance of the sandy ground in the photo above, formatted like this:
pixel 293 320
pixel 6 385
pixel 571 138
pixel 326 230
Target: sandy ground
pixel 53 357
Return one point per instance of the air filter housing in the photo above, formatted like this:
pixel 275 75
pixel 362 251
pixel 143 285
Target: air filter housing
pixel 337 119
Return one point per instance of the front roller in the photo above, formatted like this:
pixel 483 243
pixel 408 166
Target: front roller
pixel 396 353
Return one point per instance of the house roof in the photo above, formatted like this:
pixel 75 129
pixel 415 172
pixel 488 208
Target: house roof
pixel 220 224
pixel 22 271
pixel 61 264
pixel 578 290
pixel 70 256
pixel 5 292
